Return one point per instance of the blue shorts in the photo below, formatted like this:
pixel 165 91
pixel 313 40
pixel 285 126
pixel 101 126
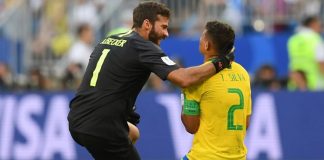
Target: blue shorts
pixel 185 158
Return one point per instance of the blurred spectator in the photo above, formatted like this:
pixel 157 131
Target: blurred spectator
pixel 73 76
pixel 10 3
pixel 81 50
pixel 6 82
pixel 306 53
pixel 36 6
pixel 298 80
pixel 36 80
pixel 61 41
pixel 266 79
pixel 214 8
pixel 84 11
pixel 233 14
pixel 52 22
pixel 207 10
pixel 312 7
pixel 53 32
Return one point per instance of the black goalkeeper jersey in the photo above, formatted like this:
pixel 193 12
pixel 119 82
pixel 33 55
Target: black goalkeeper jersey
pixel 118 68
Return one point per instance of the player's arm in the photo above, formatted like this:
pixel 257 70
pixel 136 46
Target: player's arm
pixel 321 65
pixel 190 115
pixel 132 120
pixel 191 123
pixel 154 59
pixel 133 132
pixel 185 77
pixel 320 57
pixel 248 121
pixel 249 109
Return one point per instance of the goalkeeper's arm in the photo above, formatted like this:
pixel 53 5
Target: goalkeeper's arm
pixel 185 77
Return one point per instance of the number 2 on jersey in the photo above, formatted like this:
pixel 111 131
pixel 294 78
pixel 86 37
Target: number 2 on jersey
pixel 230 115
pixel 95 74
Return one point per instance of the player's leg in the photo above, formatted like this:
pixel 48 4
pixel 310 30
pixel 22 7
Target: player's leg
pixel 100 148
pixel 104 153
pixel 133 132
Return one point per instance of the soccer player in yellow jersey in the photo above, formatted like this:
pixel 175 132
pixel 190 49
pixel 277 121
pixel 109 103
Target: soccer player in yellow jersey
pixel 218 110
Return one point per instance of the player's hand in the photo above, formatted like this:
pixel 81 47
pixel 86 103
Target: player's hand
pixel 133 117
pixel 222 62
pixel 134 133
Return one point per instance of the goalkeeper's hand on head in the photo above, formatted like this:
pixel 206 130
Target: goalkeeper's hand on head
pixel 133 117
pixel 223 61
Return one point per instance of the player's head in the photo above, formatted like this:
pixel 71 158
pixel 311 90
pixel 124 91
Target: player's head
pixel 217 39
pixel 153 17
pixel 85 33
pixel 312 22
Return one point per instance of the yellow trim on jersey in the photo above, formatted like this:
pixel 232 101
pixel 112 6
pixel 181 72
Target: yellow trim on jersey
pixel 125 34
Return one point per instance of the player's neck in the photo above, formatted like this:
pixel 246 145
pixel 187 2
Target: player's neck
pixel 207 57
pixel 144 34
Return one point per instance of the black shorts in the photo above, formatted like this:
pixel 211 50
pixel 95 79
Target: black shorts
pixel 101 148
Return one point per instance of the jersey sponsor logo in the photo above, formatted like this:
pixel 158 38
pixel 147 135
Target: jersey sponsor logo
pixel 167 61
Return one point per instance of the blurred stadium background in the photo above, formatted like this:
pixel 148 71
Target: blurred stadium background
pixel 45 45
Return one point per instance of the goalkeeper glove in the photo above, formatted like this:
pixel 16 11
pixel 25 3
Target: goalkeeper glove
pixel 223 61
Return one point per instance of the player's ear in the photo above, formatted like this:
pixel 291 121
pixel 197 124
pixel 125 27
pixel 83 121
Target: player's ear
pixel 147 24
pixel 207 45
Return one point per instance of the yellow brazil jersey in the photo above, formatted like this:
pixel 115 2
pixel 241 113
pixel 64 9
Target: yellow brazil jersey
pixel 225 102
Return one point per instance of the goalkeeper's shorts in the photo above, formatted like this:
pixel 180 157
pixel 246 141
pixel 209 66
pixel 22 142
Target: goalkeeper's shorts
pixel 100 148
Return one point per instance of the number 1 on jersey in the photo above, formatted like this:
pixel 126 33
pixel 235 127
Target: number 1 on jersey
pixel 95 74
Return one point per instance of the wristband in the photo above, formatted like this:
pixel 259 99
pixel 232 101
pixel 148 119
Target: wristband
pixel 223 61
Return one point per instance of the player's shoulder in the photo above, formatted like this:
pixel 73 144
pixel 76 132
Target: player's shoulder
pixel 128 35
pixel 130 39
pixel 238 67
pixel 122 35
pixel 193 88
pixel 193 91
pixel 140 43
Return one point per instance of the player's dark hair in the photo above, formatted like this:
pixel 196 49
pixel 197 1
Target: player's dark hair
pixel 222 36
pixel 307 21
pixel 302 74
pixel 150 11
pixel 83 27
